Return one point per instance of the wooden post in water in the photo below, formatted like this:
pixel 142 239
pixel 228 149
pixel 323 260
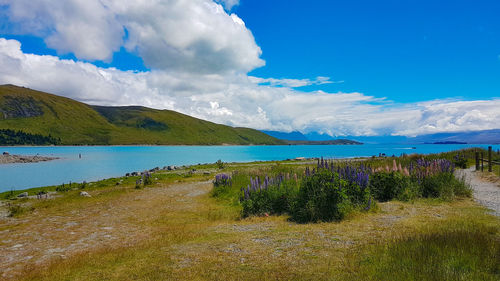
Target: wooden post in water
pixel 489 160
pixel 477 161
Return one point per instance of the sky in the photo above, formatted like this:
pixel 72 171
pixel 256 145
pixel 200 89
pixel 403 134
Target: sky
pixel 342 68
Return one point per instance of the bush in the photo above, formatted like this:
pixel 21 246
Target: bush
pixel 63 188
pixel 321 197
pixel 460 161
pixel 147 178
pixel 445 186
pixel 387 186
pixel 9 195
pixel 276 200
pixel 17 209
pixel 220 164
pixel 83 185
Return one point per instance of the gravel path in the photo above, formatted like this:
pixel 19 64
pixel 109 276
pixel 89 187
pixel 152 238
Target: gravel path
pixel 485 193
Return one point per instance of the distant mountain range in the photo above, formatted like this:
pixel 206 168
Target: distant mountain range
pixel 473 137
pixel 69 122
pixel 35 116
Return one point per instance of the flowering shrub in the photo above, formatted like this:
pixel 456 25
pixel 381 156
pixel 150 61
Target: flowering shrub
pixel 460 161
pixel 222 184
pixel 272 195
pixel 222 180
pixel 330 190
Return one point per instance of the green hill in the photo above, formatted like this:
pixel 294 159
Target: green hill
pixel 76 123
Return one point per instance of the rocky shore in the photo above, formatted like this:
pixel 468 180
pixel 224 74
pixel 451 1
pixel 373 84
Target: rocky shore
pixel 6 158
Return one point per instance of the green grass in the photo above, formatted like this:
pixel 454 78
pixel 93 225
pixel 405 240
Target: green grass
pixel 78 123
pixel 455 250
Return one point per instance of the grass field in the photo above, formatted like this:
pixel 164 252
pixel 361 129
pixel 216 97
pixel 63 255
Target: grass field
pixel 175 230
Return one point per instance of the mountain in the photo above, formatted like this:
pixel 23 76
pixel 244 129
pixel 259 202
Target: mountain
pixel 293 136
pixel 471 137
pixel 297 138
pixel 325 142
pixel 76 123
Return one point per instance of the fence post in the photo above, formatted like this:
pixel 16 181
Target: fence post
pixel 489 159
pixel 477 161
pixel 482 162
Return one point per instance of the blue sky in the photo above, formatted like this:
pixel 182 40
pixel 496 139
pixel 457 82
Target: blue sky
pixel 403 50
pixel 335 67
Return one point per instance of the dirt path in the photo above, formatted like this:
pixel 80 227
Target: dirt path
pixel 44 236
pixel 486 193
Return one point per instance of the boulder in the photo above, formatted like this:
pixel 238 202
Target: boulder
pixel 23 195
pixel 84 194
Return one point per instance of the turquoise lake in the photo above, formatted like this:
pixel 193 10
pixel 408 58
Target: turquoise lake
pixel 100 162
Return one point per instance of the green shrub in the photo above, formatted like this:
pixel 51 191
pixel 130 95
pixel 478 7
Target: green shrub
pixel 357 195
pixel 273 200
pixel 83 185
pixel 63 188
pixel 321 197
pixel 445 186
pixel 9 195
pixel 387 186
pixel 18 209
pixel 220 164
pixel 460 161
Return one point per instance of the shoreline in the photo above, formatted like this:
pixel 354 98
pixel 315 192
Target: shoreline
pixel 7 158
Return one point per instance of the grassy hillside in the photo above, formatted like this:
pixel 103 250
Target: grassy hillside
pixel 78 123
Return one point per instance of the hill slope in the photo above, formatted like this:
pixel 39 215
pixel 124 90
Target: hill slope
pixel 77 123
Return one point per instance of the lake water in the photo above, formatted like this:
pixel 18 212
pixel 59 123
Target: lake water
pixel 100 162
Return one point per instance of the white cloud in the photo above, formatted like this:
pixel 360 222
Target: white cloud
pixel 238 100
pixel 293 83
pixel 189 36
pixel 84 27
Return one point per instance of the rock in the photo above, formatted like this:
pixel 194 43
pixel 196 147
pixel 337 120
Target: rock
pixel 206 173
pixel 84 194
pixel 23 195
pixel 127 174
pixel 170 168
pixel 6 153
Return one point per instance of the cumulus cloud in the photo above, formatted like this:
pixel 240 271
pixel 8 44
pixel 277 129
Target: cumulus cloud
pixel 84 27
pixel 239 100
pixel 189 36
